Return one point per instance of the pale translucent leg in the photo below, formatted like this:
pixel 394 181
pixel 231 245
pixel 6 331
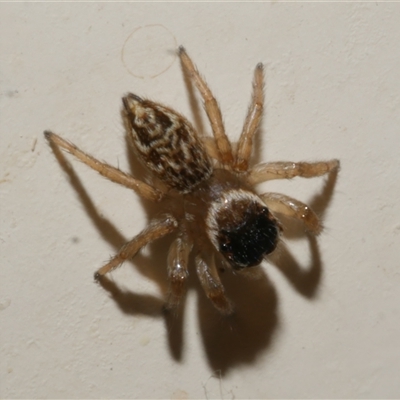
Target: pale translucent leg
pixel 253 118
pixel 208 275
pixel 113 174
pixel 287 170
pixel 178 257
pixel 155 230
pixel 211 147
pixel 212 109
pixel 290 207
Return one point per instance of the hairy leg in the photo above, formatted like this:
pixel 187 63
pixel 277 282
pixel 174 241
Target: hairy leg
pixel 212 109
pixel 288 170
pixel 252 122
pixel 290 207
pixel 212 285
pixel 211 147
pixel 113 174
pixel 178 257
pixel 156 230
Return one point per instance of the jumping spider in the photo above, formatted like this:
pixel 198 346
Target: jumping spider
pixel 205 189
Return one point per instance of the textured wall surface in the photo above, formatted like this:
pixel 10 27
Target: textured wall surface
pixel 322 321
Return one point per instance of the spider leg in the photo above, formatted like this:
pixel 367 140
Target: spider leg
pixel 211 147
pixel 288 170
pixel 113 174
pixel 290 207
pixel 209 279
pixel 178 257
pixel 212 109
pixel 252 122
pixel 156 230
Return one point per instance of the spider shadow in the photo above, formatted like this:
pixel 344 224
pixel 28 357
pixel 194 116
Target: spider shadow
pixel 239 339
pixel 128 302
pixel 227 341
pixel 256 330
pixel 305 280
pixel 152 266
pixel 255 319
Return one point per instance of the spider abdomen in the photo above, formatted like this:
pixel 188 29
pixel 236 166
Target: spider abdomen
pixel 167 144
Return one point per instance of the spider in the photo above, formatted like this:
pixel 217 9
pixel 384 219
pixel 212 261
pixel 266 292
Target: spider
pixel 205 189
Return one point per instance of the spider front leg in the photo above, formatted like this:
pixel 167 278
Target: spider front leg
pixel 253 118
pixel 212 109
pixel 211 147
pixel 288 170
pixel 113 174
pixel 178 257
pixel 293 208
pixel 209 279
pixel 156 230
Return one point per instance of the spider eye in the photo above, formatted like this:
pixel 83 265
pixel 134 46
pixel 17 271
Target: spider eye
pixel 245 245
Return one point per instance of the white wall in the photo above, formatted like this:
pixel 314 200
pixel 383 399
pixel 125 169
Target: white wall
pixel 326 325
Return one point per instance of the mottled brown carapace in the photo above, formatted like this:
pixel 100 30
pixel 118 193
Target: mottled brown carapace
pixel 205 189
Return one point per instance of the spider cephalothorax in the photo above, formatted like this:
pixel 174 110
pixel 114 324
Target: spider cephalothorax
pixel 241 227
pixel 205 189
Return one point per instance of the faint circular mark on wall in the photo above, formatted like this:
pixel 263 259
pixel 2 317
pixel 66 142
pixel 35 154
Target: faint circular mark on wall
pixel 149 51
